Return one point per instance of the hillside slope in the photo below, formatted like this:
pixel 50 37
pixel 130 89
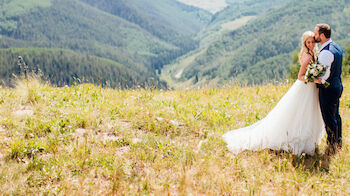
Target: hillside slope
pixel 65 67
pixel 261 50
pixel 233 17
pixel 75 25
pixel 157 17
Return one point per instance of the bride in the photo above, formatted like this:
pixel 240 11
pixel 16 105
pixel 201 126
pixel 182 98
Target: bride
pixel 295 124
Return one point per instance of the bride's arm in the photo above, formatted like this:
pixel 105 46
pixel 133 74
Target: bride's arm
pixel 304 60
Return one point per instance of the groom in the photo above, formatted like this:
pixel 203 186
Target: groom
pixel 331 56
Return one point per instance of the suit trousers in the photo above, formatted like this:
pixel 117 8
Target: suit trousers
pixel 329 103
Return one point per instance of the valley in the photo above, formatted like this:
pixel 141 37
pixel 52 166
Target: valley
pixel 174 44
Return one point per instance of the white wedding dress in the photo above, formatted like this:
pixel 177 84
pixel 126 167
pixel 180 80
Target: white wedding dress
pixel 295 124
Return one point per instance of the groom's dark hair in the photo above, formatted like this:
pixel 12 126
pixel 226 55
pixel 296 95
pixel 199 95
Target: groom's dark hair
pixel 325 29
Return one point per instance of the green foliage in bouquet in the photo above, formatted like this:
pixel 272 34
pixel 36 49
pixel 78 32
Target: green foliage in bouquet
pixel 314 71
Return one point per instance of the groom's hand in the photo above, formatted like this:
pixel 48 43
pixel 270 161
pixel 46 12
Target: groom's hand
pixel 318 81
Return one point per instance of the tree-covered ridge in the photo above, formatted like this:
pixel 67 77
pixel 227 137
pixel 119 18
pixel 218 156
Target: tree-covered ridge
pixel 11 9
pixel 239 9
pixel 78 26
pixel 66 67
pixel 149 23
pixel 261 50
pixel 155 16
pixel 88 31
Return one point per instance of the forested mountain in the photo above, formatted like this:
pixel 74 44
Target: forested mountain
pixel 134 36
pixel 261 47
pixel 251 41
pixel 235 15
pixel 78 68
pixel 167 19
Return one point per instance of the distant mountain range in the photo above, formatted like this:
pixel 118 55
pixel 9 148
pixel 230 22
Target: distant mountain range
pixel 125 43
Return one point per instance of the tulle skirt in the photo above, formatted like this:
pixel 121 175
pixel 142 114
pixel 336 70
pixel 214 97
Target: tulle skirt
pixel 295 124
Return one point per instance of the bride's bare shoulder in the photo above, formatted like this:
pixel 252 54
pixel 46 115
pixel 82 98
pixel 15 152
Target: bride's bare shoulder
pixel 305 57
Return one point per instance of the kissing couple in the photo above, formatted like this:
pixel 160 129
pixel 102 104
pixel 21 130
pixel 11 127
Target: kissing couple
pixel 309 109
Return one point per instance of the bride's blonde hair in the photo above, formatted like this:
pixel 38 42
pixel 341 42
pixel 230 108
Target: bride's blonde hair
pixel 304 48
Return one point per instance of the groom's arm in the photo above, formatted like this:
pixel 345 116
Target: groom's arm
pixel 326 58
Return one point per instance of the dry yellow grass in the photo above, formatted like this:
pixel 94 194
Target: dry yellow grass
pixel 88 140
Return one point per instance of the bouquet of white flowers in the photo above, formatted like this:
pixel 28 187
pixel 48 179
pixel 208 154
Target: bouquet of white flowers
pixel 314 71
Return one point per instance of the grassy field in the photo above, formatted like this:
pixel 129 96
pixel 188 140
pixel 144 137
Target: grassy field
pixel 85 140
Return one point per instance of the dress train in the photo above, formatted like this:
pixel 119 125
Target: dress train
pixel 295 124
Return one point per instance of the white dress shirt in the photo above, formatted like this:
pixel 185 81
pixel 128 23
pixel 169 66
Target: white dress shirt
pixel 326 58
